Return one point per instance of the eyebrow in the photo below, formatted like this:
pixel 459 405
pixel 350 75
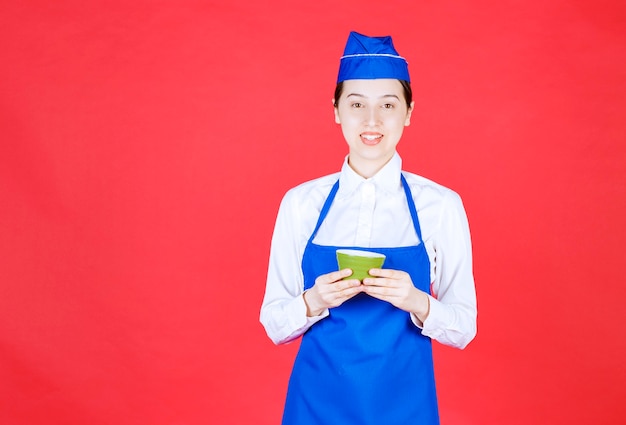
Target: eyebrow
pixel 381 97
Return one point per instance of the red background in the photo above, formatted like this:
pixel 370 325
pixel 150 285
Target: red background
pixel 145 147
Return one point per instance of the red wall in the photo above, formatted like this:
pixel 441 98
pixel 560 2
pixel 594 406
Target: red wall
pixel 145 146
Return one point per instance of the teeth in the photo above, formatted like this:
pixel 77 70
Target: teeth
pixel 370 137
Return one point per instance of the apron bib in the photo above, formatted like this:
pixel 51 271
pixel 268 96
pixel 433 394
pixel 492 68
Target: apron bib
pixel 366 363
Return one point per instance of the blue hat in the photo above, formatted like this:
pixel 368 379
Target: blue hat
pixel 366 58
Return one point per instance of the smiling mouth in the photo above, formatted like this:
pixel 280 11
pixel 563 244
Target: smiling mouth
pixel 371 138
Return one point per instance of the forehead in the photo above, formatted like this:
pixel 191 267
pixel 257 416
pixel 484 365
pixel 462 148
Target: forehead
pixel 373 88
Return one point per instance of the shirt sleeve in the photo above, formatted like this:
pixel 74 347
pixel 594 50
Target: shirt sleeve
pixel 452 317
pixel 283 312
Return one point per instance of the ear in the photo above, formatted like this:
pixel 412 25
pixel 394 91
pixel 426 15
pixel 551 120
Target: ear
pixel 336 109
pixel 407 122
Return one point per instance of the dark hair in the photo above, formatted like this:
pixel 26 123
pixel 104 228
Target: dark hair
pixel 406 86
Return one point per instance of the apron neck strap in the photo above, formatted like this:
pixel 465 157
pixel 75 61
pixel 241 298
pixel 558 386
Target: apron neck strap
pixel 325 208
pixel 412 209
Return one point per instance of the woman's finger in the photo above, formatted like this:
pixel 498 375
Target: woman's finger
pixel 333 276
pixel 388 273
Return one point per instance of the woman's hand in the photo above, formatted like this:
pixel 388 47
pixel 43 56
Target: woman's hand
pixel 330 291
pixel 396 287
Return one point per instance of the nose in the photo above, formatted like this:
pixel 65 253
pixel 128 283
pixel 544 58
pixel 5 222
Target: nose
pixel 373 118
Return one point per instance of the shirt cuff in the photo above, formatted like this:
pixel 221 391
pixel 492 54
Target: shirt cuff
pixel 301 306
pixel 450 325
pixel 434 321
pixel 299 322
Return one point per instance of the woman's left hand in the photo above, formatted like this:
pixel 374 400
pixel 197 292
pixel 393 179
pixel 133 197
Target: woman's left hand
pixel 396 287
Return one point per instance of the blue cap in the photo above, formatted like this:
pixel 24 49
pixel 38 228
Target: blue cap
pixel 367 58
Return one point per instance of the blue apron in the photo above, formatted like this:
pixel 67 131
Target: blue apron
pixel 366 363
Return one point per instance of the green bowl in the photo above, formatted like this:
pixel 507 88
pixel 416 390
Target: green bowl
pixel 360 262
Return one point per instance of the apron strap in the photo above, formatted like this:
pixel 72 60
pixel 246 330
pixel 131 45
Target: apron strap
pixel 412 209
pixel 325 208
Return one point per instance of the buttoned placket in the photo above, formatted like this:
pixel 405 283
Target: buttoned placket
pixel 366 214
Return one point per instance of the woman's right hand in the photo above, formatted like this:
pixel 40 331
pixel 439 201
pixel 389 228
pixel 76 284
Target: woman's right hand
pixel 330 291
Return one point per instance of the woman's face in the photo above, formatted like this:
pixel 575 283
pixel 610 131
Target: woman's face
pixel 372 114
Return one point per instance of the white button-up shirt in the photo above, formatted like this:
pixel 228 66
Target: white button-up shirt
pixel 373 213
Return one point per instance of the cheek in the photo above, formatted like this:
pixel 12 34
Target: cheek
pixel 396 124
pixel 349 129
pixel 403 120
pixel 348 120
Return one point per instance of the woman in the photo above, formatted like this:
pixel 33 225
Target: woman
pixel 365 355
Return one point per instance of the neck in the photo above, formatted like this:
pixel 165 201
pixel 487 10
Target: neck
pixel 365 168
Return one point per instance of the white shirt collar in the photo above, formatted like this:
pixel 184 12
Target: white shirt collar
pixel 387 179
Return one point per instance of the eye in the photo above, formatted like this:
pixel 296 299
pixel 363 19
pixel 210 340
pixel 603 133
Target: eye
pixel 388 106
pixel 357 105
